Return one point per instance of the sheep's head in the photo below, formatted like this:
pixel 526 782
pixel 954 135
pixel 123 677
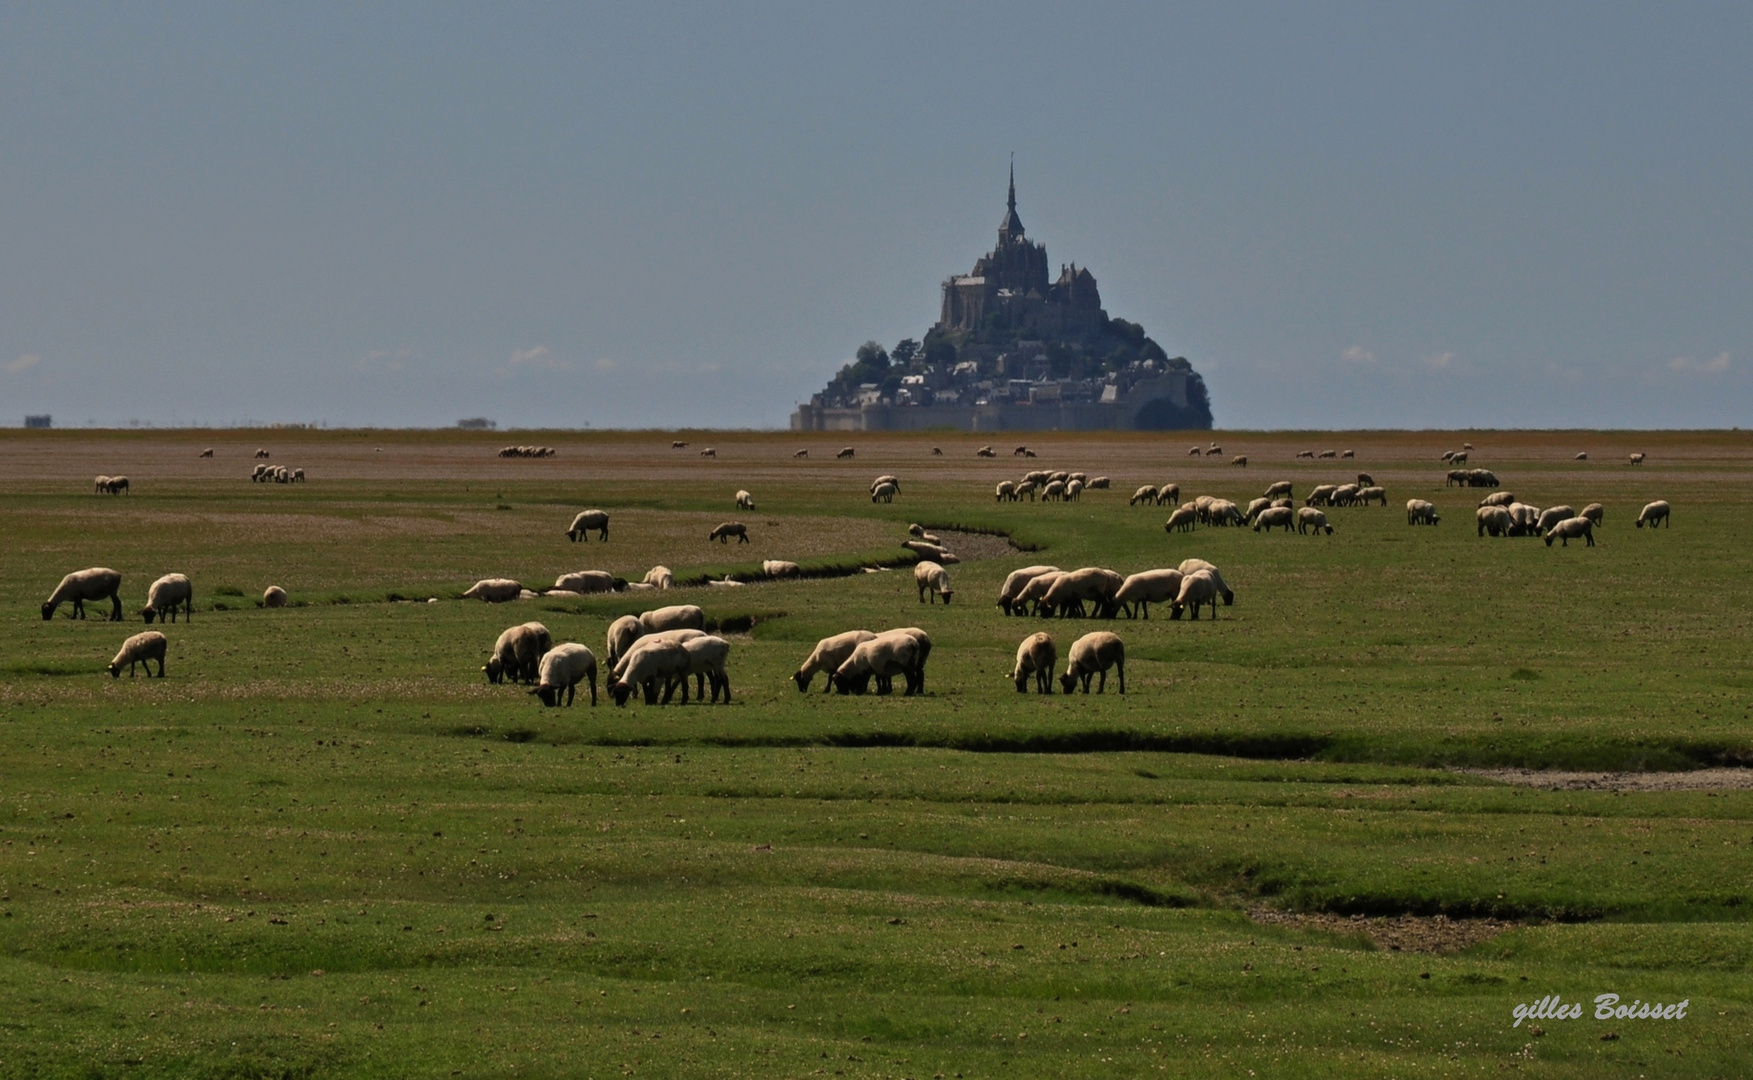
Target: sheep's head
pixel 550 695
pixel 620 691
pixel 1175 610
pixel 147 613
pixel 802 680
pixel 619 584
pixel 1068 682
pixel 946 594
pixel 1549 538
pixel 494 669
pixel 49 609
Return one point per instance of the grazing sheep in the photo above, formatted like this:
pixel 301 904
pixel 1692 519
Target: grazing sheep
pixel 100 485
pixel 1223 512
pixel 261 453
pixel 1194 451
pixel 1552 516
pixel 586 521
pixel 1458 458
pixel 274 597
pixel 1498 498
pixel 845 452
pixel 1006 491
pixel 882 658
pixel 298 476
pixel 207 452
pixel 1329 454
pixel 140 649
pixel 884 493
pixel 1456 478
pixel 1092 655
pixel 1656 514
pixel 937 451
pixel 96 583
pixel 827 656
pixel 1523 519
pixel 678 444
pixel 1036 656
pixel 1145 494
pixel 986 451
pixel 1202 507
pixel 1309 519
pixel 933 580
pixel 585 582
pixel 662 637
pixel 1344 495
pixel 1022 451
pixel 1466 446
pixel 1028 453
pixel 801 454
pixel 1028 598
pixel 745 501
pixel 1016 580
pixel 1239 459
pixel 1636 459
pixel 1320 495
pixel 1448 455
pixel 116 485
pixel 256 473
pixel 1189 566
pixel 1348 454
pixel 1254 507
pixel 1581 456
pixel 1099 483
pixel 706 660
pixel 562 668
pixel 1279 489
pixel 1214 450
pixel 1310 454
pixel 1420 512
pixel 1069 592
pixel 1276 517
pixel 494 590
pixel 779 568
pixel 518 652
pixel 1481 478
pixel 644 666
pixel 724 531
pixel 167 594
pixel 1283 502
pixel 622 633
pixel 1169 493
pixel 1198 589
pixel 1145 588
pixel 1571 528
pixel 1055 490
pixel 1073 489
pixel 1183 519
pixel 1026 487
pixel 659 577
pixel 1495 520
pixel 1596 513
pixel 710 451
pixel 1366 480
pixel 1367 495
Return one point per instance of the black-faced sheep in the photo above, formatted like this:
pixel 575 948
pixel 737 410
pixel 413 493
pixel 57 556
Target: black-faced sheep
pixel 562 668
pixel 1006 491
pixel 140 649
pixel 1498 498
pixel 1016 581
pixel 1146 494
pixel 1581 456
pixel 1420 512
pixel 1655 515
pixel 274 597
pixel 709 452
pixel 1145 588
pixel 1367 495
pixel 207 452
pixel 100 485
pixel 1036 656
pixel 678 444
pixel 1240 459
pixel 1099 483
pixel 745 501
pixel 1321 495
pixel 884 493
pixel 517 653
pixel 986 451
pixel 724 531
pixel 586 522
pixel 585 582
pixel 1182 519
pixel 117 485
pixel 1596 513
pixel 1495 520
pixel 1069 592
pixel 645 666
pixel 932 580
pixel 1092 655
pixel 1309 519
pixel 845 452
pixel 1366 480
pixel 1636 459
pixel 1198 589
pixel 1276 517
pixel 882 658
pixel 801 454
pixel 707 656
pixel 827 656
pixel 1552 516
pixel 1189 566
pixel 1280 489
pixel 1571 528
pixel 494 590
pixel 167 594
pixel 1254 507
pixel 96 583
pixel 1028 598
pixel 1310 454
pixel 660 577
pixel 1170 494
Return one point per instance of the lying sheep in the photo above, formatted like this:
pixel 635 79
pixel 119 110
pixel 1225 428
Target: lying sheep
pixel 1189 566
pixel 97 583
pixel 1169 493
pixel 1099 483
pixel 494 590
pixel 882 658
pixel 274 597
pixel 1146 494
pixel 745 501
pixel 779 568
pixel 827 656
pixel 1198 588
pixel 586 521
pixel 1276 517
pixel 884 493
pixel 1183 519
pixel 140 649
pixel 925 549
pixel 562 668
pixel 659 577
pixel 1069 592
pixel 1552 516
pixel 585 582
pixel 933 580
pixel 1145 588
pixel 1571 528
pixel 1655 514
pixel 517 653
pixel 1367 495
pixel 1495 520
pixel 1310 519
pixel 1279 489
pixel 1420 512
pixel 728 529
pixel 1036 656
pixel 1015 582
pixel 1092 655
pixel 648 664
pixel 167 594
pixel 622 633
pixel 1006 491
pixel 1596 513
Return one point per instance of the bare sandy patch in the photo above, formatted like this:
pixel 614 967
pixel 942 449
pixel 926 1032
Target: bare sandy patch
pixel 1397 933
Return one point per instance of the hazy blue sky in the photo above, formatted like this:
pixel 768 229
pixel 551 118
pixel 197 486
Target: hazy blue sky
pixel 1376 215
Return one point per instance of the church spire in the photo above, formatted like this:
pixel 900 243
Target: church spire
pixel 1012 229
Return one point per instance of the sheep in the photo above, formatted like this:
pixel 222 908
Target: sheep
pixel 1202 507
pixel 725 530
pixel 652 640
pixel 1073 489
pixel 1028 453
pixel 622 633
pixel 1283 502
pixel 1420 512
pixel 917 532
pixel 1456 478
pixel 1224 512
pixel 1367 495
pixel 1068 593
pixel 116 485
pixel 1189 566
pixel 1198 589
pixel 298 476
pixel 674 617
pixel 706 660
pixel 925 549
pixel 1481 478
pixel 1320 495
pixel 644 666
pixel 1026 487
pixel 1366 480
pixel 1552 516
pixel 937 451
pixel 1459 458
pixel 1348 453
pixel 282 475
pixel 165 595
pixel 801 454
pixel 779 568
pixel 1637 458
pixel 1015 581
pixel 1329 454
pixel 1448 455
pixel 1656 514
pixel 894 652
pixel 1033 590
pixel 1169 493
pixel 1146 494
pixel 1571 528
pixel 1494 519
pixel 827 656
pixel 1036 656
pixel 728 582
pixel 1276 518
pixel 660 577
pixel 678 444
pixel 494 590
pixel 1145 588
pixel 1309 519
pixel 1098 483
pixel 1498 498
pixel 96 583
pixel 585 582
pixel 1344 495
pixel 1194 451
pixel 710 452
pixel 933 580
pixel 1279 489
pixel 1006 491
pixel 100 485
pixel 1055 490
pixel 1092 655
pixel 256 473
pixel 1240 459
pixel 586 521
pixel 1310 454
pixel 1466 446
pixel 207 452
pixel 518 652
pixel 884 493
pixel 1182 519
pixel 140 649
pixel 274 597
pixel 845 452
pixel 1068 477
pixel 1595 512
pixel 1253 509
pixel 261 453
pixel 1582 455
pixel 562 668
pixel 1038 477
pixel 986 451
pixel 1214 450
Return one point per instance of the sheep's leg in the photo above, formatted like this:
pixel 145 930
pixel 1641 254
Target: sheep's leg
pixel 1102 681
pixel 570 689
pixel 700 686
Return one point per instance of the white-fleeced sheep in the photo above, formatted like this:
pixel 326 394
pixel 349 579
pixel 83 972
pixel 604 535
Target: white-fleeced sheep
pixel 1005 491
pixel 1168 494
pixel 728 529
pixel 494 591
pixel 1145 494
pixel 1582 455
pixel 1595 512
pixel 1183 519
pixel 745 501
pixel 274 597
pixel 1253 509
pixel 1099 483
pixel 1069 592
pixel 1309 519
pixel 621 635
pixel 1198 589
pixel 780 568
pixel 1145 588
pixel 1091 656
pixel 1189 566
pixel 140 649
pixel 1421 512
pixel 1015 582
pixel 207 452
pixel 1498 498
pixel 586 522
pixel 1655 515
pixel 1524 519
pixel 1028 599
pixel 1552 516
pixel 707 656
pixel 881 658
pixel 97 583
pixel 1571 528
pixel 1636 459
pixel 100 485
pixel 646 665
pixel 932 580
pixel 1036 656
pixel 517 653
pixel 660 577
pixel 167 594
pixel 827 656
pixel 562 668
pixel 585 582
pixel 1280 489
pixel 674 617
pixel 845 452
pixel 1276 517
pixel 1371 494
pixel 1321 495
pixel 884 493
pixel 1495 520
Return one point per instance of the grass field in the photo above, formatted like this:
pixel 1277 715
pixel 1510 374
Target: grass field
pixel 1339 831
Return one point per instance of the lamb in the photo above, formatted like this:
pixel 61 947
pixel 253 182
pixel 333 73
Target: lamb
pixel 1033 590
pixel 1240 459
pixel 1276 518
pixel 1309 519
pixel 884 493
pixel 745 501
pixel 586 521
pixel 1182 519
pixel 167 594
pixel 562 668
pixel 706 660
pixel 845 452
pixel 1420 512
pixel 1145 494
pixel 274 597
pixel 1494 519
pixel 1279 489
pixel 585 582
pixel 1321 495
pixel 1571 528
pixel 1006 491
pixel 1099 483
pixel 494 590
pixel 518 652
pixel 1067 594
pixel 1036 656
pixel 622 633
pixel 1092 655
pixel 1552 516
pixel 933 580
pixel 1637 458
pixel 1197 589
pixel 779 568
pixel 644 666
pixel 207 452
pixel 1189 566
pixel 659 577
pixel 1656 514
pixel 1145 588
pixel 883 657
pixel 96 583
pixel 1595 512
pixel 827 656
pixel 1169 493
pixel 728 529
pixel 1016 580
pixel 140 649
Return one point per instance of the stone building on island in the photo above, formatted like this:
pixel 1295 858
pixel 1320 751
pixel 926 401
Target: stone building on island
pixel 1013 351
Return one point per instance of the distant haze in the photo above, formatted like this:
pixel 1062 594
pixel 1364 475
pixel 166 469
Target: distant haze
pixel 653 215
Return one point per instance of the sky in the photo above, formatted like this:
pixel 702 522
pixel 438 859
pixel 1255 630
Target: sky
pixel 666 215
